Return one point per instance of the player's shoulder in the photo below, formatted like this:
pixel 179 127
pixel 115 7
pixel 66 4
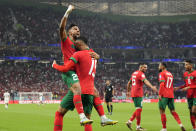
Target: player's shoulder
pixel 168 73
pixel 186 73
pixel 135 72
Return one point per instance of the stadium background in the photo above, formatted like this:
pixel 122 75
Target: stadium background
pixel 123 32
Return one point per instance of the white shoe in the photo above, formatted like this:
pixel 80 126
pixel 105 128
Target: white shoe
pixel 85 121
pixel 107 121
pixel 140 129
pixel 163 129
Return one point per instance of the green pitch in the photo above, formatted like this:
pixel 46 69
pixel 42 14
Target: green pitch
pixel 32 117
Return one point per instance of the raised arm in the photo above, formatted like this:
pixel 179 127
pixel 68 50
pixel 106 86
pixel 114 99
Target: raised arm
pixel 64 22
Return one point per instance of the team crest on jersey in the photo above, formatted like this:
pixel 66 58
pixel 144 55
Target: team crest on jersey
pixel 143 75
pixel 160 76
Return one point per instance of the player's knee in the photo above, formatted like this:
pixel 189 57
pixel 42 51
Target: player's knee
pixel 76 89
pixel 63 111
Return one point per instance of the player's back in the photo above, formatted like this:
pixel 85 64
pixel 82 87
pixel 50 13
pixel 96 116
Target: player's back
pixel 190 79
pixel 167 78
pixel 67 48
pixel 137 84
pixel 86 69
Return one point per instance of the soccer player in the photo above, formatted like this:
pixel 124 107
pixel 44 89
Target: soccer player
pixel 86 69
pixel 136 85
pixel 6 99
pixel 71 79
pixel 190 87
pixel 109 92
pixel 166 96
pixel 40 98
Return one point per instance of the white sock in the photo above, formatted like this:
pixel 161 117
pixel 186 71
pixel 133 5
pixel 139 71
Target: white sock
pixel 129 121
pixel 180 125
pixel 82 115
pixel 138 126
pixel 103 118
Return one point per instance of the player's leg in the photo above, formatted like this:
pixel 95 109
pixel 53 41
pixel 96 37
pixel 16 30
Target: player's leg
pixel 73 84
pixel 174 113
pixel 66 104
pixel 111 106
pixel 192 116
pixel 6 103
pixel 99 108
pixel 138 105
pixel 162 105
pixel 88 105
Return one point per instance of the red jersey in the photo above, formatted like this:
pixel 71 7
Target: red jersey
pixel 85 69
pixel 190 80
pixel 166 84
pixel 67 48
pixel 137 79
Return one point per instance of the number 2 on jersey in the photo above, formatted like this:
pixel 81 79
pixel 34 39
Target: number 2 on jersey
pixel 169 82
pixel 93 65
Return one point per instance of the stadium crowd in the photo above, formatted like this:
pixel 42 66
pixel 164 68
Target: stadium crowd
pixel 29 25
pixel 40 77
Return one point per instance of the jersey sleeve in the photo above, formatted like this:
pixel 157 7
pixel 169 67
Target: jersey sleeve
pixel 142 77
pixel 64 68
pixel 75 57
pixel 161 77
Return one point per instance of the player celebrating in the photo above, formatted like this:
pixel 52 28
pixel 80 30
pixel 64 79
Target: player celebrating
pixel 86 69
pixel 166 96
pixel 71 78
pixel 136 85
pixel 190 86
pixel 6 99
pixel 109 92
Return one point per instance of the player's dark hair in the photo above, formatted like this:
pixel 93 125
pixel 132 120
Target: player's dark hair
pixel 82 38
pixel 189 61
pixel 164 64
pixel 72 25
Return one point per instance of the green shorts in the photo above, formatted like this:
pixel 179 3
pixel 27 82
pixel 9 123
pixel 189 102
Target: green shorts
pixel 191 102
pixel 70 78
pixel 166 101
pixel 137 102
pixel 87 101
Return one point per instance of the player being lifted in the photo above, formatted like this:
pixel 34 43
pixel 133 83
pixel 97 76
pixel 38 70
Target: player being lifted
pixel 109 92
pixel 6 99
pixel 86 69
pixel 71 79
pixel 136 85
pixel 190 87
pixel 166 96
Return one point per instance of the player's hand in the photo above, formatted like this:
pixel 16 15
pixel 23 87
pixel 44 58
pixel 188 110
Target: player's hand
pixel 154 89
pixel 94 55
pixel 127 95
pixel 160 97
pixel 69 10
pixel 176 88
pixel 54 62
pixel 185 88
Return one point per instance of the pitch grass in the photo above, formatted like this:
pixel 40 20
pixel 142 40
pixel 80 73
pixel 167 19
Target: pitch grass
pixel 31 117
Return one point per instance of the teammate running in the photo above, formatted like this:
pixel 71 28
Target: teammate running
pixel 136 85
pixel 166 96
pixel 190 87
pixel 109 92
pixel 6 99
